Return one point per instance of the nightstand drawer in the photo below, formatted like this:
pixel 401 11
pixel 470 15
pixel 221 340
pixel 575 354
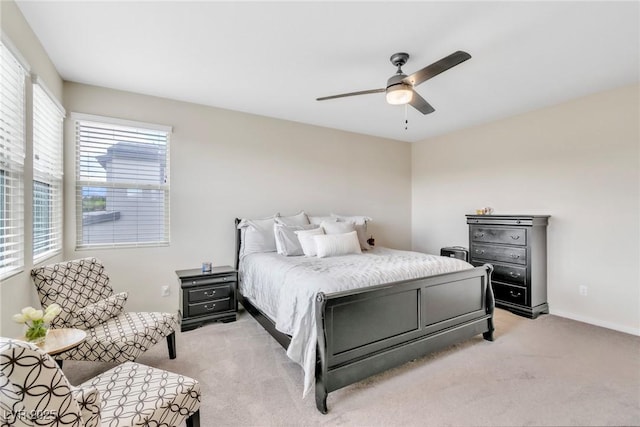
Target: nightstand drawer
pixel 208 281
pixel 508 293
pixel 500 253
pixel 209 307
pixel 207 293
pixel 508 236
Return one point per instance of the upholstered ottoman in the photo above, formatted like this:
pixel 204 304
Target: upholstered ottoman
pixel 138 395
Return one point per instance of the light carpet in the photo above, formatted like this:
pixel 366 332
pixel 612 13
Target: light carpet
pixel 550 371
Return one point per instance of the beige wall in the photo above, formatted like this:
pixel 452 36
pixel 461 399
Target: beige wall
pixel 579 163
pixel 18 291
pixel 226 164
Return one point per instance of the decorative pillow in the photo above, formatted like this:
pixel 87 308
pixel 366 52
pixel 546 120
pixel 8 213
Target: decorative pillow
pixel 320 219
pixel 338 227
pixel 297 219
pixel 287 242
pixel 306 240
pixel 361 227
pixel 257 235
pixel 101 311
pixel 337 244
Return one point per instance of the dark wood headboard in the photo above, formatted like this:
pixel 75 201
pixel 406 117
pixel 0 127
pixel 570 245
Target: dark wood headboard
pixel 238 237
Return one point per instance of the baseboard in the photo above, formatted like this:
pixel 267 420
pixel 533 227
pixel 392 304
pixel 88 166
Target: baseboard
pixel 597 322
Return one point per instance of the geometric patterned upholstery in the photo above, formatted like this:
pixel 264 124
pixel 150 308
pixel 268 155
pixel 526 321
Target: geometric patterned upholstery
pixel 77 284
pixel 35 392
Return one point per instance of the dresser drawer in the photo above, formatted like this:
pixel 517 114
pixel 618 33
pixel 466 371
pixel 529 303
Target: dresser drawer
pixel 507 273
pixel 500 253
pixel 207 293
pixel 510 274
pixel 509 293
pixel 209 307
pixel 509 236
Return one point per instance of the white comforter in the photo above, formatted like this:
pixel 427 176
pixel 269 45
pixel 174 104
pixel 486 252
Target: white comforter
pixel 284 288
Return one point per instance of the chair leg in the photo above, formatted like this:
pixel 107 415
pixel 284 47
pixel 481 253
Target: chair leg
pixel 171 343
pixel 194 419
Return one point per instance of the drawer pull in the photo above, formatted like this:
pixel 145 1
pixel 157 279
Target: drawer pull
pixel 515 256
pixel 515 237
pixel 206 307
pixel 478 251
pixel 518 221
pixel 479 234
pixel 209 294
pixel 514 275
pixel 515 294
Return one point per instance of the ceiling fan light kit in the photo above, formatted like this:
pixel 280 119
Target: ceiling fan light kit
pixel 400 87
pixel 399 94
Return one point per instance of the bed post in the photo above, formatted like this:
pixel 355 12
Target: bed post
pixel 321 355
pixel 238 236
pixel 490 303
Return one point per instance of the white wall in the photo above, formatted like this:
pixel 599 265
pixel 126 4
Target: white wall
pixel 579 163
pixel 18 291
pixel 226 164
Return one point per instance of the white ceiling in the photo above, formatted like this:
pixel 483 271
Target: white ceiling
pixel 274 59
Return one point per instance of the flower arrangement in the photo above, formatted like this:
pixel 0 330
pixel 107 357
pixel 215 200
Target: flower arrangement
pixel 37 321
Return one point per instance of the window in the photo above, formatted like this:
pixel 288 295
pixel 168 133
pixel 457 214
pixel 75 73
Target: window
pixel 47 174
pixel 122 183
pixel 12 149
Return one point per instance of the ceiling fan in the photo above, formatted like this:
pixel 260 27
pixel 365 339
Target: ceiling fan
pixel 400 87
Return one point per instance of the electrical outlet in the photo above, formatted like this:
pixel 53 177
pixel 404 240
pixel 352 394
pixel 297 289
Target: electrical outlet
pixel 584 290
pixel 164 291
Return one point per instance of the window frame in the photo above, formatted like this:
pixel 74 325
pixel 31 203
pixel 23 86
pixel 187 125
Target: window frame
pixel 12 158
pixel 48 141
pixel 86 185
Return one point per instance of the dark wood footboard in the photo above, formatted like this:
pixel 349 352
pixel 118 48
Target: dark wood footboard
pixel 368 331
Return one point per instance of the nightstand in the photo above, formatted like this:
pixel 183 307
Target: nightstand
pixel 207 296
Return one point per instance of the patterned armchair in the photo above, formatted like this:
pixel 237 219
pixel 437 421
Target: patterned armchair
pixel 35 392
pixel 81 287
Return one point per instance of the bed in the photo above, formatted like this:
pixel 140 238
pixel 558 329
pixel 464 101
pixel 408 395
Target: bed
pixel 346 318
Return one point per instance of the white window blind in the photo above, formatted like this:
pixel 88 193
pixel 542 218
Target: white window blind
pixel 47 175
pixel 122 183
pixel 12 152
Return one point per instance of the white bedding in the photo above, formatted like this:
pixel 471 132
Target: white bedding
pixel 284 288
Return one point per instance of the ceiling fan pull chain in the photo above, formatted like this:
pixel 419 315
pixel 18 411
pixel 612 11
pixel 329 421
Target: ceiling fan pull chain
pixel 406 122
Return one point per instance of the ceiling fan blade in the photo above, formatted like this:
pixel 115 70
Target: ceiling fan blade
pixel 342 95
pixel 436 68
pixel 420 104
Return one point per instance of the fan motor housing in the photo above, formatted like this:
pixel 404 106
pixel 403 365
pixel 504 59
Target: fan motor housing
pixel 396 79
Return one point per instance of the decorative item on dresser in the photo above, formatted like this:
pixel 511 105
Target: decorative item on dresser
pixel 516 245
pixel 207 296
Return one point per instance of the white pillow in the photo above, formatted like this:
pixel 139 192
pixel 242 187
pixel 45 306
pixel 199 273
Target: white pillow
pixel 338 227
pixel 337 244
pixel 297 219
pixel 361 227
pixel 287 242
pixel 320 219
pixel 257 235
pixel 306 240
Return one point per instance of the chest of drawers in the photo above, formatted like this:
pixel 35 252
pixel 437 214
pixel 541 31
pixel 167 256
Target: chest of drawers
pixel 516 245
pixel 207 296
